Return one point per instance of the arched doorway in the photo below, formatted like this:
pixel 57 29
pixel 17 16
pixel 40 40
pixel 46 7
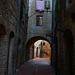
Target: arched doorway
pixel 37 50
pixel 68 46
pixel 10 53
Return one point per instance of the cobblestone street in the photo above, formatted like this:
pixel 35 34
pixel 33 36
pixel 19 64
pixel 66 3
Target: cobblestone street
pixel 37 66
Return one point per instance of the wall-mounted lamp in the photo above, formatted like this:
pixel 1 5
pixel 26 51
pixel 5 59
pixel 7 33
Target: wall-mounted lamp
pixel 47 5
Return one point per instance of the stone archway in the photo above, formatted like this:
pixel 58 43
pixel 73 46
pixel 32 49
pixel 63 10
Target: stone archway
pixel 30 44
pixel 34 39
pixel 10 53
pixel 68 46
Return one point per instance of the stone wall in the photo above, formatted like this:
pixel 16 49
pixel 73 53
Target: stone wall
pixel 45 49
pixel 9 25
pixel 66 48
pixel 34 30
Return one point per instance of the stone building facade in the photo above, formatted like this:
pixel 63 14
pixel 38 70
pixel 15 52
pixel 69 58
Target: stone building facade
pixel 34 30
pixel 13 23
pixel 37 32
pixel 45 49
pixel 41 49
pixel 64 38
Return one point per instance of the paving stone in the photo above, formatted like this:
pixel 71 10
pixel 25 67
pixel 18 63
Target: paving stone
pixel 37 66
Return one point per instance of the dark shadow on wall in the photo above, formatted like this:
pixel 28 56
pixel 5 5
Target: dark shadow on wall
pixel 18 54
pixel 3 48
pixel 68 45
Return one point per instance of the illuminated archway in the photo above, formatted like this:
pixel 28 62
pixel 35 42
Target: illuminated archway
pixel 30 46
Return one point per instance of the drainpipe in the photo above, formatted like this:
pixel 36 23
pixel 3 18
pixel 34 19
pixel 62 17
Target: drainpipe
pixel 54 27
pixel 56 39
pixel 52 31
pixel 56 18
pixel 18 16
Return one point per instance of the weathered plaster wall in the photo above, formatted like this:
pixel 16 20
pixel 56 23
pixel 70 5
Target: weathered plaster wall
pixel 34 30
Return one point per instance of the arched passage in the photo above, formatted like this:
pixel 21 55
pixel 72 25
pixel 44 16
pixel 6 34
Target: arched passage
pixel 68 45
pixel 30 52
pixel 34 39
pixel 10 53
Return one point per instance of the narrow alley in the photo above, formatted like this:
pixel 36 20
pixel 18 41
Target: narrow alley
pixel 37 37
pixel 37 66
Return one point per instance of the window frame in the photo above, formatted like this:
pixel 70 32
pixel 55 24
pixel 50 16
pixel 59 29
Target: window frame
pixel 37 20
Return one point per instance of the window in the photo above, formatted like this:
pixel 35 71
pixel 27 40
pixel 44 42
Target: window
pixel 47 4
pixel 43 43
pixel 39 20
